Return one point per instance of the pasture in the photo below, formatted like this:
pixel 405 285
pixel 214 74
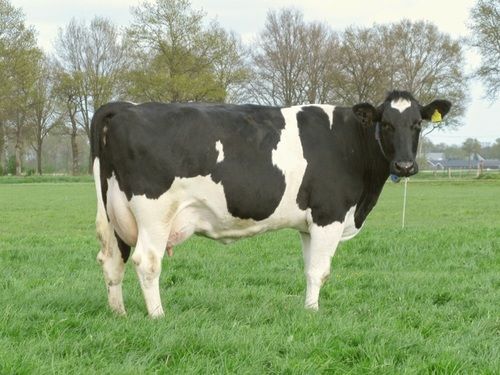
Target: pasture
pixel 420 300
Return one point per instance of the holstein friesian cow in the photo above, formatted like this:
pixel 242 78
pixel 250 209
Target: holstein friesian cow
pixel 164 172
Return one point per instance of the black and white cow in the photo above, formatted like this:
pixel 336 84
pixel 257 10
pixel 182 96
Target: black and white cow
pixel 164 172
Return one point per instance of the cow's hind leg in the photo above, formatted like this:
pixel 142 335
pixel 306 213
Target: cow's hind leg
pixel 147 258
pixel 112 256
pixel 318 248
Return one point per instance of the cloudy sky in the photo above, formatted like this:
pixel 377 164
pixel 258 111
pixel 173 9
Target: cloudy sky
pixel 247 17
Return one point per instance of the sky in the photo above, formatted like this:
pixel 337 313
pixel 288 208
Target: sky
pixel 247 18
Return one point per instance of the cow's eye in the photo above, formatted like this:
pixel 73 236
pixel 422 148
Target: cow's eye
pixel 387 126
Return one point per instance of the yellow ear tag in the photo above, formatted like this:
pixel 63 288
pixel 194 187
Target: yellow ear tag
pixel 436 116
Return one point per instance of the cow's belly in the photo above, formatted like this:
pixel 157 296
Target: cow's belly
pixel 203 210
pixel 194 205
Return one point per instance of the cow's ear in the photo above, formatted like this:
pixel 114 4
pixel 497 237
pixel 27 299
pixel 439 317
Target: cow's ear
pixel 436 110
pixel 366 113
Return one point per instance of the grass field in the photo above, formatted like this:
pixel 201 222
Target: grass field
pixel 421 300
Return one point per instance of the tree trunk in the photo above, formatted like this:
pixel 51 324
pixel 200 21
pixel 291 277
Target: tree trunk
pixel 3 156
pixel 75 168
pixel 89 169
pixel 39 158
pixel 18 150
pixel 74 152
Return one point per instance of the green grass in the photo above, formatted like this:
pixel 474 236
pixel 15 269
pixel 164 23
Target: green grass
pixel 420 300
pixel 44 178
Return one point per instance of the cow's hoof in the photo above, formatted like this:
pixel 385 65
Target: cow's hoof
pixel 120 312
pixel 157 316
pixel 312 307
pixel 157 313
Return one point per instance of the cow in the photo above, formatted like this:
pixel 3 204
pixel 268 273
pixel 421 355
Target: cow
pixel 164 172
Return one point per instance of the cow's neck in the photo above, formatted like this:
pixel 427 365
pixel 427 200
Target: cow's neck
pixel 375 174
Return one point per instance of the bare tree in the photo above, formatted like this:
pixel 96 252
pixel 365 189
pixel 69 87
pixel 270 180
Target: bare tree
pixel 428 63
pixel 485 26
pixel 280 60
pixel 321 47
pixel 43 116
pixel 363 66
pixel 68 103
pixel 94 56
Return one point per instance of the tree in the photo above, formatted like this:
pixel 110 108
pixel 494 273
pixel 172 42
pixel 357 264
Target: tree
pixel 94 57
pixel 492 151
pixel 18 53
pixel 471 146
pixel 43 116
pixel 322 47
pixel 454 152
pixel 429 64
pixel 485 37
pixel 177 58
pixel 412 56
pixel 229 62
pixel 66 90
pixel 364 66
pixel 280 59
pixel 293 60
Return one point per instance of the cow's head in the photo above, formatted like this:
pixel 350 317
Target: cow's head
pixel 397 124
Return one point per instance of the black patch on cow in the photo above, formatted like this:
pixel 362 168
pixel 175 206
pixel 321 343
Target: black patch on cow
pixel 149 145
pixel 331 183
pixel 124 248
pixel 253 186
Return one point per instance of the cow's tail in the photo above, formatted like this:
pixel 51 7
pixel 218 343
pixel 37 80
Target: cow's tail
pixel 98 126
pixel 98 129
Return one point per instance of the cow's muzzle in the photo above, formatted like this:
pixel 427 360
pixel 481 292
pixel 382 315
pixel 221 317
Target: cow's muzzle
pixel 404 168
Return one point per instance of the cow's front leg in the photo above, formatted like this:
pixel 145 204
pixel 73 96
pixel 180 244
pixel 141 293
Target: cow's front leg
pixel 318 247
pixel 147 258
pixel 112 259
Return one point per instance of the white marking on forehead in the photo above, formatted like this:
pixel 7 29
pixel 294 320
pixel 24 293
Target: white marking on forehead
pixel 401 104
pixel 220 150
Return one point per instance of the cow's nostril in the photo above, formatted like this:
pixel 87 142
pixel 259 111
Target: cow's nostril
pixel 404 166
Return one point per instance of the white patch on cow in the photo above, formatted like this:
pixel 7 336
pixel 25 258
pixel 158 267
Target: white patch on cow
pixel 327 108
pixel 318 249
pixel 220 150
pixel 400 104
pixel 350 229
pixel 119 213
pixel 289 158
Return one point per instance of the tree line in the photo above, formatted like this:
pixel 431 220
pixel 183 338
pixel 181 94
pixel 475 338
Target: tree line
pixel 464 151
pixel 173 53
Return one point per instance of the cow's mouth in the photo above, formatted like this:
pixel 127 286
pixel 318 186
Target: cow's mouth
pixel 404 168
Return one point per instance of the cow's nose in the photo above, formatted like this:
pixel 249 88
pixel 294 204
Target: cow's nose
pixel 404 167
